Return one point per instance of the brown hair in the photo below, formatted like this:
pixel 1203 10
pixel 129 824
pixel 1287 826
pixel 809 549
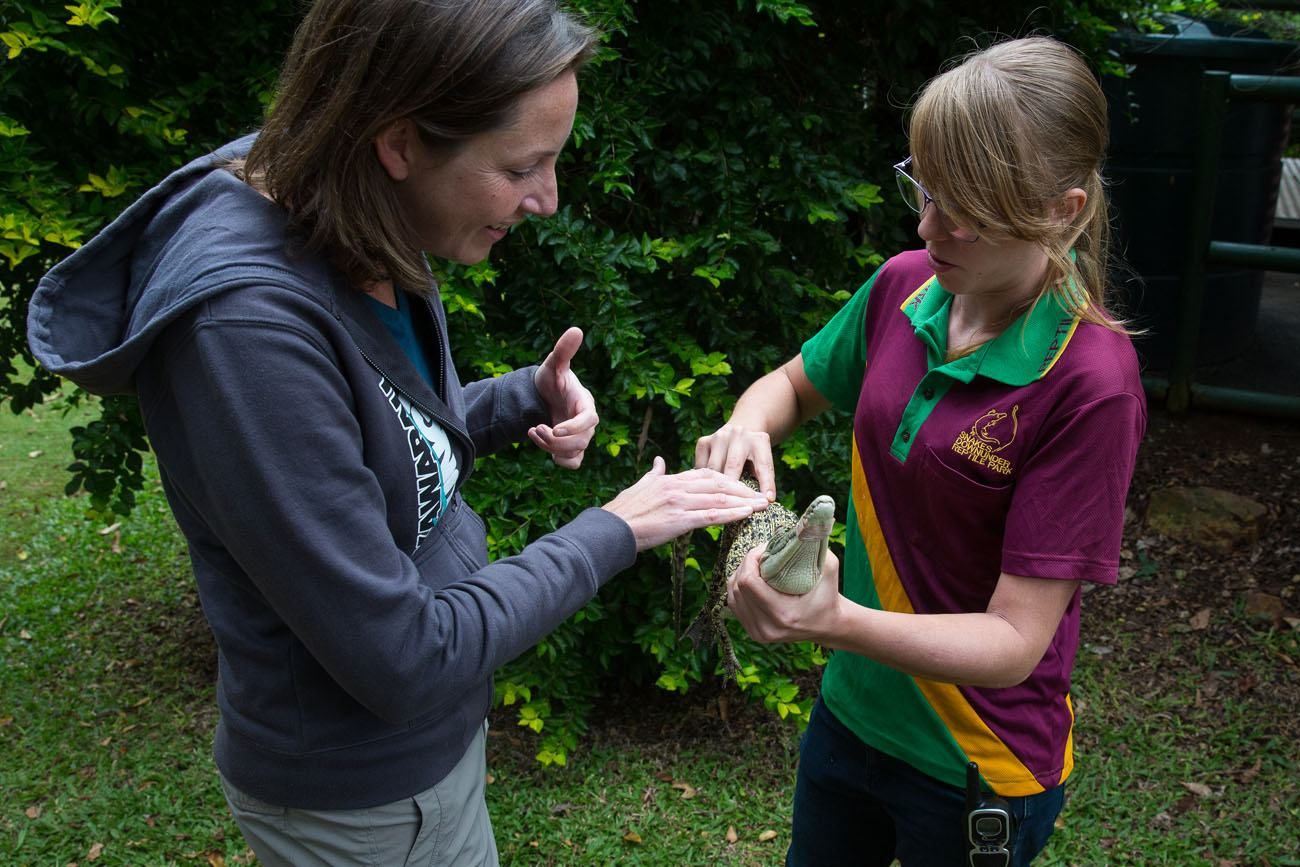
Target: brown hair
pixel 456 68
pixel 998 138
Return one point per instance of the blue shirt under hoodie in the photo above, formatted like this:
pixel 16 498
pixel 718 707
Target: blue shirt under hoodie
pixel 357 620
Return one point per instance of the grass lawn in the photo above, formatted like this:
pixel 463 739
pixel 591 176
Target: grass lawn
pixel 34 450
pixel 1185 745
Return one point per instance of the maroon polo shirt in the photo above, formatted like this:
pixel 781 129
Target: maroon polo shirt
pixel 1016 458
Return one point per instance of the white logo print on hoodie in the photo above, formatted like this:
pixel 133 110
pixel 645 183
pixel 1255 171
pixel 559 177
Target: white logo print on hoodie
pixel 436 470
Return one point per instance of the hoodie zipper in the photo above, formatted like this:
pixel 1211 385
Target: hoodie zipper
pixel 447 423
pixel 437 338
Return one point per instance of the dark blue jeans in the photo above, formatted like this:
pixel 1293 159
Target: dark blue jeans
pixel 854 805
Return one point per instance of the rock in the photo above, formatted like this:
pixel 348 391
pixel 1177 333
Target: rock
pixel 1209 517
pixel 1264 606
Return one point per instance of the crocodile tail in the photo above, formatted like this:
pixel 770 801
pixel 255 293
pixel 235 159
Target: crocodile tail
pixel 730 663
pixel 681 546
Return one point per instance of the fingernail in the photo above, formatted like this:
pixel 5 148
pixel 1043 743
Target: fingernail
pixel 561 431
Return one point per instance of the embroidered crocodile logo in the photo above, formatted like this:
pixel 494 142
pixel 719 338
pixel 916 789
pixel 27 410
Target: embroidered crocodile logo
pixel 983 429
pixel 988 436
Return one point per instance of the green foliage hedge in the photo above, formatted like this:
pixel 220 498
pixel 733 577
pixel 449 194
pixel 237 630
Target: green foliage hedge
pixel 721 197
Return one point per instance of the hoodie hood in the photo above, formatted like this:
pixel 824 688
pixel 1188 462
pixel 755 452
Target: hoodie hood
pixel 95 315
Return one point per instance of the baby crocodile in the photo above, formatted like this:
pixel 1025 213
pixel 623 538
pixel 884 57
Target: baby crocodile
pixel 792 562
pixel 796 549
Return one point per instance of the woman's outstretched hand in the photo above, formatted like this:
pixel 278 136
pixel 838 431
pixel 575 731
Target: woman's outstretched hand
pixel 660 507
pixel 573 409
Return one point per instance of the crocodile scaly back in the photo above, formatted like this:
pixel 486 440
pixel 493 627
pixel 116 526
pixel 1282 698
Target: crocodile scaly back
pixel 773 522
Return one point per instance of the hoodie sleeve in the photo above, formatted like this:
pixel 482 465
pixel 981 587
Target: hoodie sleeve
pixel 256 428
pixel 499 411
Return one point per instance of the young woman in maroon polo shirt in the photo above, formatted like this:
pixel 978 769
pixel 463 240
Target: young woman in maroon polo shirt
pixel 997 413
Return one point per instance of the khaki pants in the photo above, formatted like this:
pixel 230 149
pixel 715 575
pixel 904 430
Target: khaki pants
pixel 445 826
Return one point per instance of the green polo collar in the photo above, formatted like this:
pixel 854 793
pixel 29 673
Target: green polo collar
pixel 1021 354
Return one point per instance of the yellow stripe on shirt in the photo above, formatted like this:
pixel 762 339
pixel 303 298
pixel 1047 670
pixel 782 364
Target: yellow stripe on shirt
pixel 998 764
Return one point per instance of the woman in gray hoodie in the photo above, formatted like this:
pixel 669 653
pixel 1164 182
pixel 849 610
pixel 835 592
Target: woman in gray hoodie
pixel 271 306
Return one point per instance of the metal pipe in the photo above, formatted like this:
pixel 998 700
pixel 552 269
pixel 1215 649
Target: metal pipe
pixel 1259 256
pixel 1209 145
pixel 1156 387
pixel 1266 88
pixel 1243 400
pixel 1228 399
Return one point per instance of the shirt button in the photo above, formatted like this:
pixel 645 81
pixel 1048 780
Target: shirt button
pixel 928 394
pixel 906 436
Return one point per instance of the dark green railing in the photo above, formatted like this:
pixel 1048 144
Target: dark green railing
pixel 1180 391
pixel 1256 5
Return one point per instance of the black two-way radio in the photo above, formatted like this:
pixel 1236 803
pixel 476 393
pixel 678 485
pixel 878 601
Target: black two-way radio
pixel 988 824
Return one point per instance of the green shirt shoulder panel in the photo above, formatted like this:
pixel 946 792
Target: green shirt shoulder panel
pixel 835 357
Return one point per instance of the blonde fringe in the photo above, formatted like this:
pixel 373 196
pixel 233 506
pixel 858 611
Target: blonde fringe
pixel 999 137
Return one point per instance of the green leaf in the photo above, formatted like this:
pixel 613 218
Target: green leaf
pixel 667 682
pixel 865 195
pixel 716 272
pixel 665 249
pixel 10 128
pixel 93 13
pixel 787 10
pixel 820 213
pixel 795 453
pixel 110 186
pixel 16 42
pixel 713 364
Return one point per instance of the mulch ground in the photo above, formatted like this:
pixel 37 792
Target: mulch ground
pixel 1170 587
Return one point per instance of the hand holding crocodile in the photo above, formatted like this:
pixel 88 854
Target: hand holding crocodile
pixel 771 617
pixel 731 447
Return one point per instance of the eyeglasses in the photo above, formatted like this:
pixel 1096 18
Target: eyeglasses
pixel 918 198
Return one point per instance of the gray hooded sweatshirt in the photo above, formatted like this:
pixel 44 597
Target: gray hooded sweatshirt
pixel 357 620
